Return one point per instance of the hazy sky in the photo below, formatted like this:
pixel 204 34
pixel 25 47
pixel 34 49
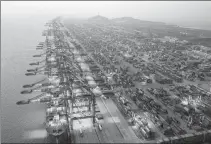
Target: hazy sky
pixel 165 11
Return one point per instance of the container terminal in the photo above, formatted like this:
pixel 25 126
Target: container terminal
pixel 102 86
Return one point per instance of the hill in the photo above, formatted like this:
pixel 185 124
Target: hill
pixel 99 19
pixel 135 21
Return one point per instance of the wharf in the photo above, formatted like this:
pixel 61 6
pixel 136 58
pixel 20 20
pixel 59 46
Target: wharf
pixel 116 128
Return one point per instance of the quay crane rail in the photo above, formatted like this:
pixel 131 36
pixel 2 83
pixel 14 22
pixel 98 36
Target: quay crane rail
pixel 62 69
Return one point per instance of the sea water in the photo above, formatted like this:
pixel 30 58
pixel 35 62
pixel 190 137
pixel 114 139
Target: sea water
pixel 20 123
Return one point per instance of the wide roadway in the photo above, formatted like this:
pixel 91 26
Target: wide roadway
pixel 114 127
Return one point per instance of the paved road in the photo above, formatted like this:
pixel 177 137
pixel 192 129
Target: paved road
pixel 89 134
pixel 114 124
pixel 115 127
pixel 122 124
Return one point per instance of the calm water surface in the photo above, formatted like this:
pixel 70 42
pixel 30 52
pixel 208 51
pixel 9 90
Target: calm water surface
pixel 23 124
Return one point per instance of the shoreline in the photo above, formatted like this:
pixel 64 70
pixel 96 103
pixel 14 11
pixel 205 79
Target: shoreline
pixel 195 28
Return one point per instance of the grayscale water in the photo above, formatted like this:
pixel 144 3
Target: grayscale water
pixel 20 124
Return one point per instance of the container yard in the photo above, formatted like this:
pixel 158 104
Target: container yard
pixel 106 83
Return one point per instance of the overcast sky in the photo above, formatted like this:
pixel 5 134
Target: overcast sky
pixel 165 11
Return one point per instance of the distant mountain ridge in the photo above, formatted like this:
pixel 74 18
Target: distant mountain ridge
pixel 128 20
pixel 133 20
pixel 160 29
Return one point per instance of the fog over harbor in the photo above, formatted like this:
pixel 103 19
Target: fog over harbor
pixel 188 13
pixel 22 23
